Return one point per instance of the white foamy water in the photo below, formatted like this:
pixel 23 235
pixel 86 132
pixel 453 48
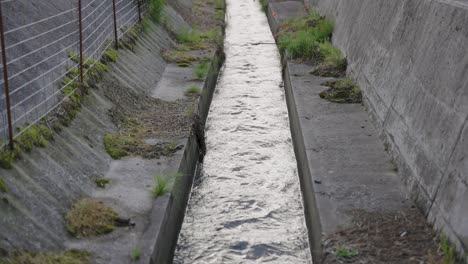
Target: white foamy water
pixel 246 207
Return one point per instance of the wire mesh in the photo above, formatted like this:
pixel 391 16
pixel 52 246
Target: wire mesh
pixel 38 63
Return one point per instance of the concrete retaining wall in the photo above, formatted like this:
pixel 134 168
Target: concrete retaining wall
pixel 410 58
pixel 44 183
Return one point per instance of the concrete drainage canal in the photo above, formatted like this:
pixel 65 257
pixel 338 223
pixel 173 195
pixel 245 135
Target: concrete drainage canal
pixel 246 206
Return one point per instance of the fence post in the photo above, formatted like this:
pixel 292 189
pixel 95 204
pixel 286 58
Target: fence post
pixel 139 11
pixel 115 26
pixel 5 79
pixel 81 40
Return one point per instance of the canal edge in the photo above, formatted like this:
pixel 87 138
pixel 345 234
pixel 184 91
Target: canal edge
pixel 161 238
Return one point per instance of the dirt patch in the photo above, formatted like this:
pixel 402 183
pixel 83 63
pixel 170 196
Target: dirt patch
pixel 342 91
pixel 142 118
pixel 393 237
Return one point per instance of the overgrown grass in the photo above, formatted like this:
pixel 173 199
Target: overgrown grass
pixel 178 57
pixel 447 250
pixel 305 43
pixel 155 9
pixel 193 90
pixel 34 135
pixel 309 38
pixel 89 217
pixel 110 55
pixel 115 145
pixel 68 257
pixel 345 252
pixel 201 69
pixel 193 40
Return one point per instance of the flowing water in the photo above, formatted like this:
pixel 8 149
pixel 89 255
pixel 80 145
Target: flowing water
pixel 246 207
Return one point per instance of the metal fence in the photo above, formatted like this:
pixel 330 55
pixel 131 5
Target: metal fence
pixel 36 40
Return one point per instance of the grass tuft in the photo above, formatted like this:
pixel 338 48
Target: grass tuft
pixel 89 217
pixel 303 37
pixel 346 252
pixel 193 90
pixel 201 69
pixel 102 182
pixel 110 55
pixel 447 250
pixel 136 253
pixel 160 186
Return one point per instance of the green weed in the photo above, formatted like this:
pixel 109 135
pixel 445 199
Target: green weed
pixel 155 9
pixel 302 37
pixel 110 55
pixel 332 55
pixel 160 186
pixel 201 69
pixel 136 253
pixel 3 187
pixel 193 90
pixel 193 40
pixel 102 182
pixel 345 252
pixel 448 250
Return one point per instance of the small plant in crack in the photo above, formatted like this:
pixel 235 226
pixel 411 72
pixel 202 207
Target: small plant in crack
pixel 346 252
pixel 193 90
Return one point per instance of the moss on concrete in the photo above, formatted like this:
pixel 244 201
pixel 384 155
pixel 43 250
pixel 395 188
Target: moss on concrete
pixel 110 55
pixel 342 91
pixel 115 145
pixel 89 217
pixel 68 257
pixel 3 187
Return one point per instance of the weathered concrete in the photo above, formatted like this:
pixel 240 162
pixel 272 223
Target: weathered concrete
pixel 44 183
pixel 39 36
pixel 411 61
pixel 343 163
pixel 338 148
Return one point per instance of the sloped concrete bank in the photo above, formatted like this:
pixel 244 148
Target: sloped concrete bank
pixel 346 174
pixel 43 184
pixel 411 61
